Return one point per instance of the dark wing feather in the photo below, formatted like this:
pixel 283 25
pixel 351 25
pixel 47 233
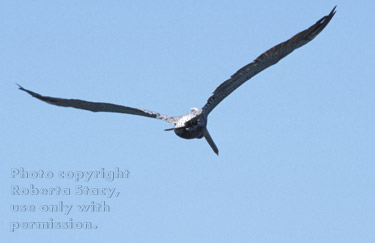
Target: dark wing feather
pixel 98 106
pixel 268 58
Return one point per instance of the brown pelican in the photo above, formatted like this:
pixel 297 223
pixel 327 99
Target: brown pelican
pixel 194 124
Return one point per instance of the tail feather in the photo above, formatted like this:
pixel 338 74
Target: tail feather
pixel 211 142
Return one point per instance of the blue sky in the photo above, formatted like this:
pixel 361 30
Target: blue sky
pixel 296 142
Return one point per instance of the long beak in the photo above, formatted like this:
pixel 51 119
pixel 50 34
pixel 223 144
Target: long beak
pixel 169 129
pixel 211 142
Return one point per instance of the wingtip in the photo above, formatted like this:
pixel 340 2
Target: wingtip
pixel 25 90
pixel 333 10
pixel 328 18
pixel 20 87
pixel 331 14
pixel 36 95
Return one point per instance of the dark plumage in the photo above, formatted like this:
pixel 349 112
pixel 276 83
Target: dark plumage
pixel 194 124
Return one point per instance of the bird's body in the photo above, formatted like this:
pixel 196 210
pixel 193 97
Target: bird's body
pixel 194 124
pixel 191 125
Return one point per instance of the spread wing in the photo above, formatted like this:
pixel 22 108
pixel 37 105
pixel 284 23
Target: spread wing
pixel 268 58
pixel 99 106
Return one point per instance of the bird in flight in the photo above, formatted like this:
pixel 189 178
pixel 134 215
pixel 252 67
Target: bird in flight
pixel 194 124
